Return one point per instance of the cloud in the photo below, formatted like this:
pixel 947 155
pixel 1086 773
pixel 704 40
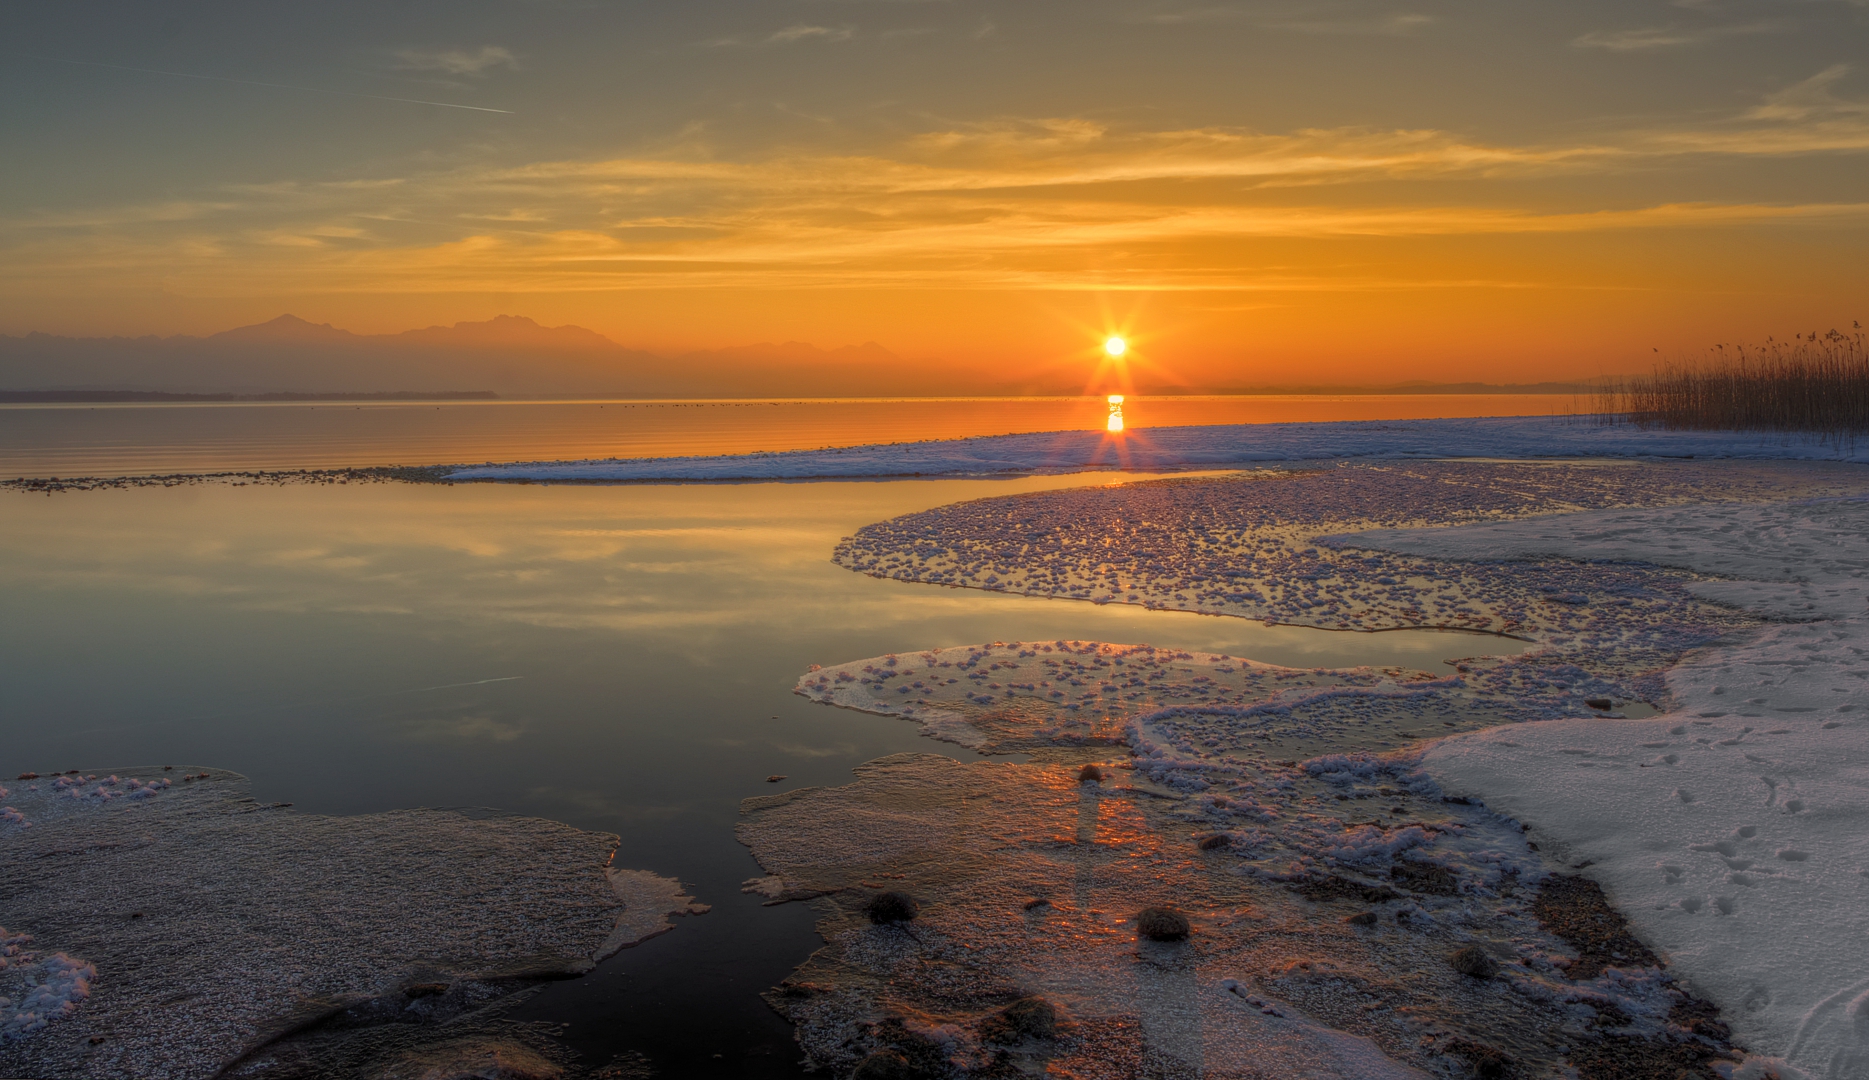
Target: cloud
pixel 457 61
pixel 1664 37
pixel 1812 97
pixel 1379 26
pixel 802 32
pixel 1040 203
pixel 790 35
pixel 1391 26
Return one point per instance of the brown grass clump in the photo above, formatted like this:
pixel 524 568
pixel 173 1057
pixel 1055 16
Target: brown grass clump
pixel 891 907
pixel 1575 909
pixel 1815 383
pixel 1474 962
pixel 1028 1017
pixel 1162 924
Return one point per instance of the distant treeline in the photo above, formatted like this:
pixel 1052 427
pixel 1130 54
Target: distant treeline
pixel 80 396
pixel 1815 383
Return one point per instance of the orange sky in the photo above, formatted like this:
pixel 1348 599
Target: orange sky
pixel 1307 192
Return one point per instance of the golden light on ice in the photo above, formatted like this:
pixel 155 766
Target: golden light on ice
pixel 1116 404
pixel 1116 347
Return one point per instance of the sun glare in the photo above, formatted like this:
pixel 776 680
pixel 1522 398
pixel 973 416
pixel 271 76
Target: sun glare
pixel 1116 347
pixel 1116 408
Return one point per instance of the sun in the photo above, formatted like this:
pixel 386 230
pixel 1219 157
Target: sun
pixel 1116 347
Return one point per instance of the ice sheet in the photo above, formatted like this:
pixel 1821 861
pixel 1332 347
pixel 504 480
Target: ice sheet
pixel 165 924
pixel 1194 447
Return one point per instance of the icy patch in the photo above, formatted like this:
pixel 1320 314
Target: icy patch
pixel 1734 830
pixel 38 991
pixel 1029 879
pixel 649 902
pixel 1191 447
pixel 212 924
pixel 1027 696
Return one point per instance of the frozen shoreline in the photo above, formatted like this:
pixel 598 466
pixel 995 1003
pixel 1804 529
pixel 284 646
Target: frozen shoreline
pixel 214 934
pixel 1732 830
pixel 1185 448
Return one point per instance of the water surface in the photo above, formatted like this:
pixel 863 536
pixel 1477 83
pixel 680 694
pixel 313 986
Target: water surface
pixel 618 658
pixel 143 438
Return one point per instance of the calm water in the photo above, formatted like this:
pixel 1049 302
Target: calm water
pixel 127 440
pixel 619 658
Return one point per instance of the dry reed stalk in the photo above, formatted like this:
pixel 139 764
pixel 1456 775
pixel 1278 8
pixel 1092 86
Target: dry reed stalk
pixel 1816 383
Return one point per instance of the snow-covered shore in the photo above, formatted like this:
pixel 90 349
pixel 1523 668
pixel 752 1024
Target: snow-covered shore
pixel 1733 831
pixel 1219 446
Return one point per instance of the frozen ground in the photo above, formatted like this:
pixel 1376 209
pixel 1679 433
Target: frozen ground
pixel 1733 831
pixel 161 923
pixel 1217 446
pixel 1728 829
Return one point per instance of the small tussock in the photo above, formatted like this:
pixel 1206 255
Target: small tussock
pixel 901 1054
pixel 885 1065
pixel 1215 842
pixel 1026 1018
pixel 1424 878
pixel 1474 962
pixel 1162 924
pixel 1089 774
pixel 1483 1062
pixel 891 907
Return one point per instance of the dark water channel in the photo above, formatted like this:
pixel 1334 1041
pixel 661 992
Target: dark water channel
pixel 617 658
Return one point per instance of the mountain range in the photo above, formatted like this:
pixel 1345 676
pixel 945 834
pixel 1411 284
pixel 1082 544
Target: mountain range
pixel 513 356
pixel 509 355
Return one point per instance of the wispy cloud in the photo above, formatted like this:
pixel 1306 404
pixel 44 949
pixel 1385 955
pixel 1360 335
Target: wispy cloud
pixel 790 35
pixel 1810 98
pixel 1356 26
pixel 1666 37
pixel 474 63
pixel 1013 203
pixel 1387 26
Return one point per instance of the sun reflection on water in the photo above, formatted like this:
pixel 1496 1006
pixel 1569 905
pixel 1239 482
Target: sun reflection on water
pixel 1116 412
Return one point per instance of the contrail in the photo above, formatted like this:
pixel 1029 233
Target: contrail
pixel 275 86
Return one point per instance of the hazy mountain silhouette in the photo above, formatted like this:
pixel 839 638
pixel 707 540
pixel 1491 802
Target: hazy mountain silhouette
pixel 509 354
pixel 514 356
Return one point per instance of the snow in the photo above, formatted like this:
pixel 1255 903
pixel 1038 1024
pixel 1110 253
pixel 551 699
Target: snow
pixel 1734 829
pixel 186 924
pixel 1217 446
pixel 53 987
pixel 1725 596
pixel 649 899
pixel 1270 981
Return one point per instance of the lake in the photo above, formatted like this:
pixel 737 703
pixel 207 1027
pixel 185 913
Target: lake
pixel 619 658
pixel 139 439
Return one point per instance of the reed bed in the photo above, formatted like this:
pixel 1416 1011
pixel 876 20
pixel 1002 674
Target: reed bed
pixel 1816 383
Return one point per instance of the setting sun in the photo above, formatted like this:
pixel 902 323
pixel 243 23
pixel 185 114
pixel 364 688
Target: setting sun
pixel 1116 347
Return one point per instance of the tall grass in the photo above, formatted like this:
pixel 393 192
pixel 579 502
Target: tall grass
pixel 1817 383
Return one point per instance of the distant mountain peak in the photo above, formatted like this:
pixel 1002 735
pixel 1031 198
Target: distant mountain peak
pixel 287 328
pixel 509 330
